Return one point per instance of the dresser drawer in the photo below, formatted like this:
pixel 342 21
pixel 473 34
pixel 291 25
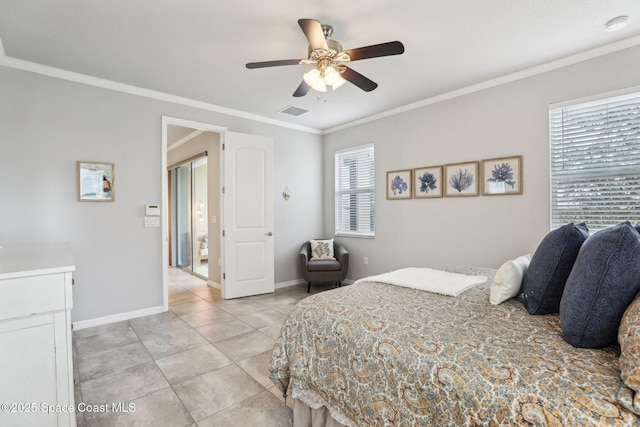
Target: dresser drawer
pixel 24 296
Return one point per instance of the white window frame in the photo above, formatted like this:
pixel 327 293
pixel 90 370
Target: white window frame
pixel 364 155
pixel 594 153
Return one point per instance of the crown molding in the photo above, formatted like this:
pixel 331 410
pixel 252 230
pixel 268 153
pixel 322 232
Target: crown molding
pixel 85 79
pixel 519 75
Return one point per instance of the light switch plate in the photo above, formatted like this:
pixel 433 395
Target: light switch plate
pixel 151 221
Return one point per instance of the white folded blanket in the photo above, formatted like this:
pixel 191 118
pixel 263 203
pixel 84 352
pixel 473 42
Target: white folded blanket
pixel 428 279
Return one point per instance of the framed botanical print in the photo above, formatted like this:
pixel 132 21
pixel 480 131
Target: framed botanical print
pixel 502 176
pixel 399 184
pixel 427 182
pixel 461 179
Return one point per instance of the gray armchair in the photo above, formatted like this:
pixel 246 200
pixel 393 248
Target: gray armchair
pixel 324 270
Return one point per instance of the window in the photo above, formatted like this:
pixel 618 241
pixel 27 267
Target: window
pixel 355 192
pixel 595 162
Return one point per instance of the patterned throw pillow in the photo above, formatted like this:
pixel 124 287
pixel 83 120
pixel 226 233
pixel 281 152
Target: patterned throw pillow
pixel 629 340
pixel 321 249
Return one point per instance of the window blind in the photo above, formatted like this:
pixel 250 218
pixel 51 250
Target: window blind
pixel 595 162
pixel 355 191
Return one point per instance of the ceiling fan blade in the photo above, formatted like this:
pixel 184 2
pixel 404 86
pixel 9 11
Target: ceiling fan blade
pixel 358 79
pixel 313 31
pixel 302 90
pixel 265 64
pixel 376 50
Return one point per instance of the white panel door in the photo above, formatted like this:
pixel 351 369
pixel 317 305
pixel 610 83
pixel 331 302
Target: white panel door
pixel 248 215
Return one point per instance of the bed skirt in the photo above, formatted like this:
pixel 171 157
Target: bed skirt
pixel 310 410
pixel 306 416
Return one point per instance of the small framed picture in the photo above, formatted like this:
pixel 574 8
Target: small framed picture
pixel 399 184
pixel 461 179
pixel 502 176
pixel 427 182
pixel 96 182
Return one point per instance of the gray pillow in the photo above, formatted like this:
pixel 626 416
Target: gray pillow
pixel 550 267
pixel 602 284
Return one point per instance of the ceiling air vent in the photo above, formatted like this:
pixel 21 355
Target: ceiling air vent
pixel 292 110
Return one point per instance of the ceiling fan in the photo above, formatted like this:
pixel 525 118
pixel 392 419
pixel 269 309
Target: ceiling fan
pixel 327 57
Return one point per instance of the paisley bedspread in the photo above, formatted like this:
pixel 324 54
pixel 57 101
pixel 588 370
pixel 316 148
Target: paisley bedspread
pixel 383 355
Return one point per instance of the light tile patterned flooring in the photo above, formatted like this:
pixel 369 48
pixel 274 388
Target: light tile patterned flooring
pixel 203 363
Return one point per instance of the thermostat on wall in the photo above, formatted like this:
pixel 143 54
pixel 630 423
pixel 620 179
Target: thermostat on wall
pixel 153 210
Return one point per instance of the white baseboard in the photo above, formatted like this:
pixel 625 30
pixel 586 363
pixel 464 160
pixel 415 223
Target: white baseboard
pixel 83 324
pixel 214 284
pixel 288 283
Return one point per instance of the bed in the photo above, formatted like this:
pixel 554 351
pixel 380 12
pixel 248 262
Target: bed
pixel 375 354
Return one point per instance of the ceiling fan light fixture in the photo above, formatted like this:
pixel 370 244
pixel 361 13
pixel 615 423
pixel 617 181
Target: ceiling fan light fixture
pixel 331 76
pixel 319 81
pixel 339 83
pixel 321 86
pixel 616 23
pixel 312 77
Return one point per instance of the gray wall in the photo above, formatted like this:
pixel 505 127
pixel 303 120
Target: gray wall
pixel 511 119
pixel 47 124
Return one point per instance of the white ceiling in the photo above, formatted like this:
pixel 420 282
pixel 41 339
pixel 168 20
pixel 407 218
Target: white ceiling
pixel 198 49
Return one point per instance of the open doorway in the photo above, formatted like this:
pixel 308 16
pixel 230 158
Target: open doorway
pixel 194 204
pixel 178 137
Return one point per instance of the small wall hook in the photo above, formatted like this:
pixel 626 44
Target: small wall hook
pixel 285 193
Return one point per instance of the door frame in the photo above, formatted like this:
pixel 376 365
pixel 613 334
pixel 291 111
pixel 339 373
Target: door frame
pixel 164 219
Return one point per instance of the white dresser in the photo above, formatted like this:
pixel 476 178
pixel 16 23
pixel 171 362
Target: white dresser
pixel 36 366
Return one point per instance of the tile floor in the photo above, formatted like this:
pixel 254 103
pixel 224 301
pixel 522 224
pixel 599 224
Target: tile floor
pixel 203 363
